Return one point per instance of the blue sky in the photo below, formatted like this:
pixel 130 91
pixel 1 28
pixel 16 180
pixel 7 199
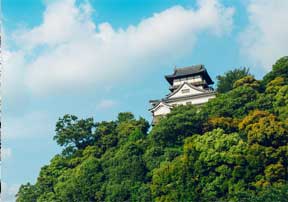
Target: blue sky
pixel 96 58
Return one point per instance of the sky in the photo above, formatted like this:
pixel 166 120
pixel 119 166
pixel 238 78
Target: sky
pixel 96 58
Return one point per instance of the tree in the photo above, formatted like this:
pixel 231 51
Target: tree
pixel 125 128
pixel 268 145
pixel 209 169
pixel 263 128
pixel 125 116
pixel 281 103
pixel 266 100
pixel 274 86
pixel 49 174
pixel 279 69
pixel 182 122
pixel 247 81
pixel 172 181
pixel 266 194
pixel 228 124
pixel 235 103
pixel 73 133
pixel 225 82
pixel 105 136
pixel 26 193
pixel 82 183
pixel 126 172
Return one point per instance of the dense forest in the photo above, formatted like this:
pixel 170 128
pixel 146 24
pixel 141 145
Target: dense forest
pixel 233 148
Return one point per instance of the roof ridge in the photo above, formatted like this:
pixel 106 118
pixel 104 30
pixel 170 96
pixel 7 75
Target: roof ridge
pixel 192 66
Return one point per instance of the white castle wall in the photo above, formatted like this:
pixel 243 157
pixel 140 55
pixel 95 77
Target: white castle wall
pixel 191 79
pixel 194 101
pixel 162 110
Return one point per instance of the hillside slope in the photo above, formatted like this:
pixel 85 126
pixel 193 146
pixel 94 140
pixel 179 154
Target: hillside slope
pixel 235 148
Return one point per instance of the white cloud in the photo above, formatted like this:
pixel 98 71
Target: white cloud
pixel 68 51
pixel 106 104
pixel 5 153
pixel 62 22
pixel 27 125
pixel 8 192
pixel 13 74
pixel 265 39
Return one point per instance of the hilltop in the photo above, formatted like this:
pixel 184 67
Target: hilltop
pixel 233 148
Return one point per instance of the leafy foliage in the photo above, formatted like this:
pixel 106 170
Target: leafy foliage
pixel 181 123
pixel 225 82
pixel 73 133
pixel 249 81
pixel 279 69
pixel 233 148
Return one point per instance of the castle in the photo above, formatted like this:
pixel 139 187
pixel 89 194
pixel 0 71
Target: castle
pixel 188 85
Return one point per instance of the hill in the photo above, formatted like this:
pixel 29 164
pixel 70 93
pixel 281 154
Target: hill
pixel 233 148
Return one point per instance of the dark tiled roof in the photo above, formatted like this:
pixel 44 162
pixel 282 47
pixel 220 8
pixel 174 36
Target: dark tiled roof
pixel 189 71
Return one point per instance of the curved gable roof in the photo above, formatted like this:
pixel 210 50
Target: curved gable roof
pixel 158 106
pixel 190 85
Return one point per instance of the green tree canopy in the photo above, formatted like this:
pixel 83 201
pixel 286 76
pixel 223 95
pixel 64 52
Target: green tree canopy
pixel 225 82
pixel 279 69
pixel 73 133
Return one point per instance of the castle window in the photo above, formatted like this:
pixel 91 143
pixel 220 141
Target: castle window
pixel 185 91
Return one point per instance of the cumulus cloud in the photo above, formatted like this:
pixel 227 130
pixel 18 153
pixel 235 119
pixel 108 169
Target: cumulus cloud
pixel 265 38
pixel 69 50
pixel 8 192
pixel 5 153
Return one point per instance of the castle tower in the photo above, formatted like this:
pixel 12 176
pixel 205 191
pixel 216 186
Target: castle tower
pixel 188 85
